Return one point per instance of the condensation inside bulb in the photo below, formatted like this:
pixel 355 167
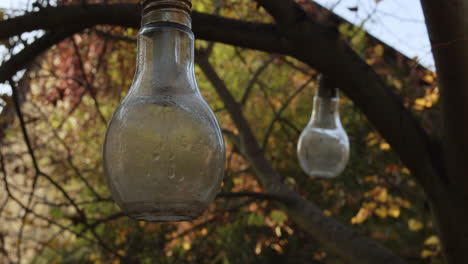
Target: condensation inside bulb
pixel 322 152
pixel 164 157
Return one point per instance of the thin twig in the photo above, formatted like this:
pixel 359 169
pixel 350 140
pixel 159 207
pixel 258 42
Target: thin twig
pixel 254 78
pixel 283 107
pixel 88 84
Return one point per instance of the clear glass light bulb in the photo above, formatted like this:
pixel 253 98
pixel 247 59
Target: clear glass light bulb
pixel 164 151
pixel 323 147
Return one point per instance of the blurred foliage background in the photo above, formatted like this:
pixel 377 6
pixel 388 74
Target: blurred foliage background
pixel 70 92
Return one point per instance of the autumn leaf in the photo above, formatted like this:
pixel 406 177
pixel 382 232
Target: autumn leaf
pixel 378 50
pixel 361 216
pixel 427 253
pixel 381 212
pixel 384 146
pixel 432 241
pixel 415 225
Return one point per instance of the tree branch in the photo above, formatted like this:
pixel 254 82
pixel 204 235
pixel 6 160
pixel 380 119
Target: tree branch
pixel 20 61
pixel 209 27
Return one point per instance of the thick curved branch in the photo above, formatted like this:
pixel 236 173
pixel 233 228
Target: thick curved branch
pixel 21 60
pixel 209 27
pixel 126 15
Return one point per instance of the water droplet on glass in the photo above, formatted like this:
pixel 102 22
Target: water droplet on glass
pixel 171 175
pixel 184 142
pixel 156 155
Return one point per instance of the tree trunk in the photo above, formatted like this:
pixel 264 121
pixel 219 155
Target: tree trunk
pixel 451 216
pixel 447 24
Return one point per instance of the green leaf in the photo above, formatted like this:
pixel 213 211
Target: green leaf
pixel 255 219
pixel 278 216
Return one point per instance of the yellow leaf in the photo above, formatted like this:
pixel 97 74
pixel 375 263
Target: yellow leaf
pixel 432 241
pixel 419 104
pixel 372 142
pixel 384 146
pixel 406 204
pixel 121 252
pixel 204 231
pixel 414 225
pixel 278 231
pixel 258 248
pixel 381 194
pixel 186 245
pixel 327 212
pixel 379 50
pixel 434 98
pixel 369 205
pixel 372 178
pixel 405 171
pixel 371 135
pixel 277 248
pixel 397 84
pixel 394 211
pixel 116 261
pixel 427 253
pixel 381 212
pixel 361 216
pixel 428 78
pixel 428 104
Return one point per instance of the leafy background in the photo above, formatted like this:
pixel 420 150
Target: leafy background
pixel 69 93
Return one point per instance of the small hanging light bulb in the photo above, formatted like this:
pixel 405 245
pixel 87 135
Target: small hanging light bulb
pixel 323 147
pixel 164 151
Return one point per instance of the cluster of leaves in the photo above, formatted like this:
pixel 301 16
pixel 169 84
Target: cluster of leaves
pixel 73 91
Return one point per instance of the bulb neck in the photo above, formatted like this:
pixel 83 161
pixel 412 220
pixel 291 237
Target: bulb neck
pixel 327 87
pixel 325 113
pixel 165 62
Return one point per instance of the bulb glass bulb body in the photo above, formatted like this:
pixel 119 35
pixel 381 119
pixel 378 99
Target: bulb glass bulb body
pixel 323 147
pixel 164 151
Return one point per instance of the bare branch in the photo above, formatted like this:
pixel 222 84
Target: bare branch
pixel 34 161
pixel 19 61
pixel 283 107
pixel 88 84
pixel 254 79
